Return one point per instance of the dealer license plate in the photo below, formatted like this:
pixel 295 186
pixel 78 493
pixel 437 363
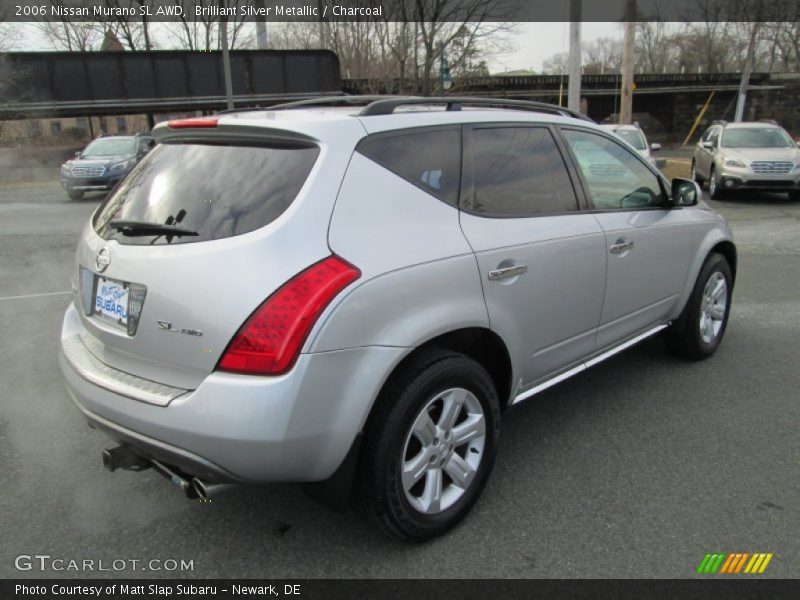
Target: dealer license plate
pixel 111 300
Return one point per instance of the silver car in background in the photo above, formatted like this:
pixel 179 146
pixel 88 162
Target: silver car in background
pixel 747 157
pixel 351 296
pixel 634 135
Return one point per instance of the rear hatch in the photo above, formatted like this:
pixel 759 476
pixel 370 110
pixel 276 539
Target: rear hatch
pixel 200 233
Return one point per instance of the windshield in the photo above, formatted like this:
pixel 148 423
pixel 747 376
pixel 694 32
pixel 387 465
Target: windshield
pixel 110 147
pixel 634 138
pixel 751 137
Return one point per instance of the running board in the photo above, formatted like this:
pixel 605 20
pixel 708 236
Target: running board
pixel 589 363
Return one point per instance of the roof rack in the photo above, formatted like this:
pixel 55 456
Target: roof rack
pixel 386 106
pixel 336 101
pixel 320 99
pixel 770 121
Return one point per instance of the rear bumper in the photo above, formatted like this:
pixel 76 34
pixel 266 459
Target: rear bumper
pixel 295 427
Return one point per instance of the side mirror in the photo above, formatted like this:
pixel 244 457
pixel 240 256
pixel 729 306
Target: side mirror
pixel 708 145
pixel 78 153
pixel 685 192
pixel 655 147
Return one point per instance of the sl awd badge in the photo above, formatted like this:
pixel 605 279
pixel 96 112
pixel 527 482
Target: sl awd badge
pixel 167 326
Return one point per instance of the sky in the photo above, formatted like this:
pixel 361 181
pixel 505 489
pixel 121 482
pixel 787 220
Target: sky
pixel 534 43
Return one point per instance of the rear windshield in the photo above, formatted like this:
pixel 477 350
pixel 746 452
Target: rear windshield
pixel 634 138
pixel 217 191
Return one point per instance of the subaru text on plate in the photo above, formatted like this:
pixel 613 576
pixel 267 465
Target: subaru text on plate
pixel 350 292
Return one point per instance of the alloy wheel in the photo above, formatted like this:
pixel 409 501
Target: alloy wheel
pixel 443 450
pixel 713 307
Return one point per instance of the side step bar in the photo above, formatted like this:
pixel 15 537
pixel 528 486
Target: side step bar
pixel 585 365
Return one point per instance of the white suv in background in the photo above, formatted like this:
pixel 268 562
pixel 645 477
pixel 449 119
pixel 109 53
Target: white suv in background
pixel 634 135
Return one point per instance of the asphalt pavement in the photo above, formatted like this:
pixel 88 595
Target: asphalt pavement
pixel 636 468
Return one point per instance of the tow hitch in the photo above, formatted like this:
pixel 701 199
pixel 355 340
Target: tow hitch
pixel 122 457
pixel 126 458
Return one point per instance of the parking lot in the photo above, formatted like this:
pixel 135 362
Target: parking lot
pixel 635 468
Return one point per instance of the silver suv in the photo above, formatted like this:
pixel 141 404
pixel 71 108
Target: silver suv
pixel 351 296
pixel 634 135
pixel 759 156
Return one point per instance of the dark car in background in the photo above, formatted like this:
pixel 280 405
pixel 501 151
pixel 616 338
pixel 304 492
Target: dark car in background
pixel 103 163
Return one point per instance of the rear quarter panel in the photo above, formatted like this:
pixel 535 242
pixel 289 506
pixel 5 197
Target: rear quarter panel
pixel 419 276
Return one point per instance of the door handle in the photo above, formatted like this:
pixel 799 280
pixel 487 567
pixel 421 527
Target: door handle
pixel 507 272
pixel 621 246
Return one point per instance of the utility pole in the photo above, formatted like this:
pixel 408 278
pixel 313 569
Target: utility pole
pixel 261 35
pixel 574 90
pixel 226 60
pixel 261 32
pixel 626 100
pixel 748 67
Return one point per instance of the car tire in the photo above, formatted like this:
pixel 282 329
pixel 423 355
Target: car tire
pixel 697 333
pixel 794 196
pixel 714 190
pixel 404 463
pixel 695 176
pixel 75 194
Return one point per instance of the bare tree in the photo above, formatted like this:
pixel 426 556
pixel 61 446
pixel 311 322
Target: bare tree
pixel 557 64
pixel 402 54
pixel 10 36
pixel 781 52
pixel 655 51
pixel 202 32
pixel 441 22
pixel 133 34
pixel 71 35
pixel 603 55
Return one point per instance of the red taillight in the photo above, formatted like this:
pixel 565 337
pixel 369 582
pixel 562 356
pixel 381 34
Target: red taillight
pixel 270 340
pixel 198 123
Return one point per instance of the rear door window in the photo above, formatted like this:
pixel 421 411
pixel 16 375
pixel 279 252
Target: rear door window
pixel 428 159
pixel 519 172
pixel 218 191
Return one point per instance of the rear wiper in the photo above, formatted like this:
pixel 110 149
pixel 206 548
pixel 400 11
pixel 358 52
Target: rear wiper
pixel 143 228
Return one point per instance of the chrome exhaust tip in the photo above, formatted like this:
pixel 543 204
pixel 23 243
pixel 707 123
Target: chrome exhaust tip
pixel 205 490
